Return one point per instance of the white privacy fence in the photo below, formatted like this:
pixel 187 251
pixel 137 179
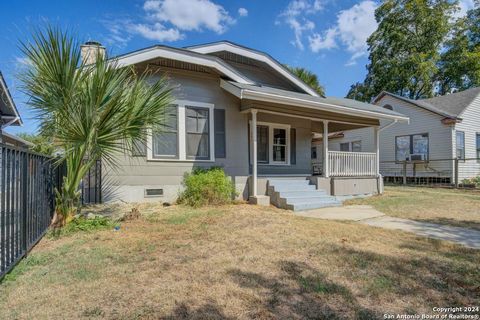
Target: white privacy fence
pixel 352 164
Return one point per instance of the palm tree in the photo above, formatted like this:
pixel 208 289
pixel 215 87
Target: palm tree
pixel 92 112
pixel 309 78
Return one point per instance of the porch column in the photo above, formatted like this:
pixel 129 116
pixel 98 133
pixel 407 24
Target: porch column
pixel 325 149
pixel 253 129
pixel 376 132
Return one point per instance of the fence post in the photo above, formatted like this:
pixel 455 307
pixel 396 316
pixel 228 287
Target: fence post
pixel 456 172
pixel 404 172
pixel 25 202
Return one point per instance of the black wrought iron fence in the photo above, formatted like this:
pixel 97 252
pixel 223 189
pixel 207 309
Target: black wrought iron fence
pixel 27 183
pixel 460 173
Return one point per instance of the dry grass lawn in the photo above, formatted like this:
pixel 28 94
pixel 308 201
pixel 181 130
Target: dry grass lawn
pixel 238 262
pixel 445 206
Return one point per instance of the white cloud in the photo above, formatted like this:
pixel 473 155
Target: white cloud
pixel 352 29
pixel 169 20
pixel 242 12
pixel 295 16
pixel 155 32
pixel 188 15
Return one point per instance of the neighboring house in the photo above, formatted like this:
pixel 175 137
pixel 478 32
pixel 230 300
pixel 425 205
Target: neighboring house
pixel 8 111
pixel 440 129
pixel 16 141
pixel 240 109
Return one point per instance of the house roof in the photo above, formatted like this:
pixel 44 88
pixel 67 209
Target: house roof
pixel 8 110
pixel 450 105
pixel 161 51
pixel 13 138
pixel 254 54
pixel 339 105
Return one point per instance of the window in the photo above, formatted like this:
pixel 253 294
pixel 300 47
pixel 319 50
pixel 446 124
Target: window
pixel 165 138
pixel 197 133
pixel 279 145
pixel 460 139
pixel 478 147
pixel 357 146
pixel 262 144
pixel 187 133
pixel 345 146
pixel 411 147
pixel 274 146
pixel 387 106
pixel 314 153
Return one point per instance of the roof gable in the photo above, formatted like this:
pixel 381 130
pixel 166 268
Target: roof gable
pixel 8 110
pixel 450 106
pixel 227 46
pixel 182 55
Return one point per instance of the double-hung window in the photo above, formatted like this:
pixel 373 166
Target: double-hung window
pixel 460 142
pixel 354 146
pixel 279 145
pixel 197 133
pixel 165 137
pixel 186 133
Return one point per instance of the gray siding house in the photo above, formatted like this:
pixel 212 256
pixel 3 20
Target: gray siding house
pixel 440 129
pixel 240 109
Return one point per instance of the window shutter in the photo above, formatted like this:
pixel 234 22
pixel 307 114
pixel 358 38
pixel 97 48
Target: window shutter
pixel 139 148
pixel 219 124
pixel 293 146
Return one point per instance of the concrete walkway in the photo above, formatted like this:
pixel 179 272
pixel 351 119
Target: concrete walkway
pixel 369 216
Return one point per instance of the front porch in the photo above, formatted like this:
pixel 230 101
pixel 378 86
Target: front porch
pixel 282 173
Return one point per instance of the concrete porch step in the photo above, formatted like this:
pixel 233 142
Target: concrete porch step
pixel 291 188
pixel 312 205
pixel 303 193
pixel 282 182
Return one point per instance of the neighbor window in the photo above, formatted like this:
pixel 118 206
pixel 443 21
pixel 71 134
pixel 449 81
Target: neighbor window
pixel 197 133
pixel 165 138
pixel 460 140
pixel 345 146
pixel 357 146
pixel 186 133
pixel 478 147
pixel 387 106
pixel 411 147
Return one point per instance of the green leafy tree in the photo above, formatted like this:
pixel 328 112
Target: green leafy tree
pixel 92 112
pixel 404 50
pixel 309 78
pixel 42 144
pixel 460 61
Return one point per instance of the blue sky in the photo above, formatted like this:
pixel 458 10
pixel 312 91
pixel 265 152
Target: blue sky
pixel 325 36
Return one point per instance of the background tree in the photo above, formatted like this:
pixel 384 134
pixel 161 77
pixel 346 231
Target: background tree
pixel 309 78
pixel 42 144
pixel 92 112
pixel 404 50
pixel 460 61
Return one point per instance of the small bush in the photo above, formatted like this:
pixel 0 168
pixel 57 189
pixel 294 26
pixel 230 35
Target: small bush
pixel 84 224
pixel 475 181
pixel 207 187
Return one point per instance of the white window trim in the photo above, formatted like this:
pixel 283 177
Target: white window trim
pixel 272 126
pixel 182 134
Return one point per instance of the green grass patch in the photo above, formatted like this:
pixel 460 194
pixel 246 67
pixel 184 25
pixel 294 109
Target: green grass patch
pixel 83 224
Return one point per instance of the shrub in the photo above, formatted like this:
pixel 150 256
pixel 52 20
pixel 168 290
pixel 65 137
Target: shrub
pixel 207 187
pixel 475 181
pixel 84 224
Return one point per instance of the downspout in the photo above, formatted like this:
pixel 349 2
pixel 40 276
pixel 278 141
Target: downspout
pixel 377 133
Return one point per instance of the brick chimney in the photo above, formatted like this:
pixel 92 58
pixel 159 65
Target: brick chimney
pixel 90 51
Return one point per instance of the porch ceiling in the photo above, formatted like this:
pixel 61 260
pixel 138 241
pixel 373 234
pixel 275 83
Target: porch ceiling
pixel 338 121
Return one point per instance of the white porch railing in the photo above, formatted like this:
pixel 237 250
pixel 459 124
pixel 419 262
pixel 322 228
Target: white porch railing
pixel 352 164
